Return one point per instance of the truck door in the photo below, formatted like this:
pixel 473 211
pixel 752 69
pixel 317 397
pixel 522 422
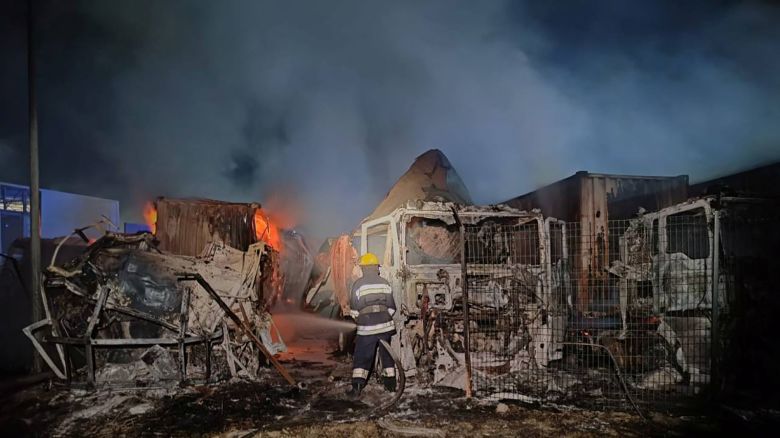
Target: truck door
pixel 685 259
pixel 380 237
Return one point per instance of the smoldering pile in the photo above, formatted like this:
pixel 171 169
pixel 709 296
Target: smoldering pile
pixel 125 312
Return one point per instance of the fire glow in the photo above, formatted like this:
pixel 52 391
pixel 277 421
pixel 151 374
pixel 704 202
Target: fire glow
pixel 150 217
pixel 266 230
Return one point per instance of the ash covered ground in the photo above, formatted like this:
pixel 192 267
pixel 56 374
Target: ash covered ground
pixel 240 408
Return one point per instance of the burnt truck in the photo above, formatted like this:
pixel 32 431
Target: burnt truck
pixel 694 269
pixel 518 300
pixel 682 277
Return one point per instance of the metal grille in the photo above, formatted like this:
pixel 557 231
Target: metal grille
pixel 515 320
pixel 610 314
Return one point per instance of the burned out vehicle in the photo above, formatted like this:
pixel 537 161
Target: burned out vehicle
pixel 649 326
pixel 518 313
pixel 124 313
pixel 683 267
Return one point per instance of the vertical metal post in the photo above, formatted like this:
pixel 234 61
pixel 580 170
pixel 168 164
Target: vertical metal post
pixel 89 350
pixel 715 326
pixel 183 320
pixel 35 195
pixel 466 319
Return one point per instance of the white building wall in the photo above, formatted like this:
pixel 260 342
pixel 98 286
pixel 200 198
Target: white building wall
pixel 62 212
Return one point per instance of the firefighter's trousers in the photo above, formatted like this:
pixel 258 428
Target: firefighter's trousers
pixel 363 359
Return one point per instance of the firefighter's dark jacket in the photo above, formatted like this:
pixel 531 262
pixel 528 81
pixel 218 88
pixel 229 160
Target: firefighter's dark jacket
pixel 371 303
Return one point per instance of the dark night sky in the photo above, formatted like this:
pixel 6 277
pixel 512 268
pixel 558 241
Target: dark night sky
pixel 241 100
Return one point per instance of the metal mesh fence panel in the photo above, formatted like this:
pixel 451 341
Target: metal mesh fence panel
pixel 518 310
pixel 611 315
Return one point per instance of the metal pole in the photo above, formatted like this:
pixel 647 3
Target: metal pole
pixel 715 352
pixel 35 195
pixel 466 318
pixel 237 321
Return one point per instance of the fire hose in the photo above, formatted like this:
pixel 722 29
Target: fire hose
pixel 400 381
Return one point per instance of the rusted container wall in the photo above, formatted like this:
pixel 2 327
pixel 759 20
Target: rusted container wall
pixel 185 226
pixel 606 197
pixel 583 193
pixel 591 200
pixel 626 194
pixel 559 200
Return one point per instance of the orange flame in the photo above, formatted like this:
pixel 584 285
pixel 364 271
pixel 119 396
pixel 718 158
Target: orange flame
pixel 267 231
pixel 150 217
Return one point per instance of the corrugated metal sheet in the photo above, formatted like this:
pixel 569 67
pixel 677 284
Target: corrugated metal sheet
pixel 185 226
pixel 296 262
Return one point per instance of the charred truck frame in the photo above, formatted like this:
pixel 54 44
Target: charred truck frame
pixel 685 266
pixel 660 322
pixel 419 246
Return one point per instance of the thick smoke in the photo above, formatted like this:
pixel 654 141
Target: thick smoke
pixel 330 101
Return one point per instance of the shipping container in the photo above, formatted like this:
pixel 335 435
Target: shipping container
pixel 186 226
pixel 592 199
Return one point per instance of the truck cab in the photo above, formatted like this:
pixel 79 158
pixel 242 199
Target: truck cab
pixel 685 265
pixel 419 248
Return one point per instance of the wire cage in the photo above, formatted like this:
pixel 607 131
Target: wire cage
pixel 639 311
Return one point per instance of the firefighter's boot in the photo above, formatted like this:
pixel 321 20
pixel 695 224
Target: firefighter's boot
pixel 389 383
pixel 357 388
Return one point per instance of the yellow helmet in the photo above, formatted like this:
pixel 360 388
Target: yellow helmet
pixel 368 259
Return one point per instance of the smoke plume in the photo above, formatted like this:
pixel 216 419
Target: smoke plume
pixel 329 102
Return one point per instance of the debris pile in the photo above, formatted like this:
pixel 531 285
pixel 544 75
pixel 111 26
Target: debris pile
pixel 122 313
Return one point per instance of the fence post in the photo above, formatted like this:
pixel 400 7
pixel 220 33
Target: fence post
pixel 715 326
pixel 464 286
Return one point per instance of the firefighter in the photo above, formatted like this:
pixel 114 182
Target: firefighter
pixel 372 307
